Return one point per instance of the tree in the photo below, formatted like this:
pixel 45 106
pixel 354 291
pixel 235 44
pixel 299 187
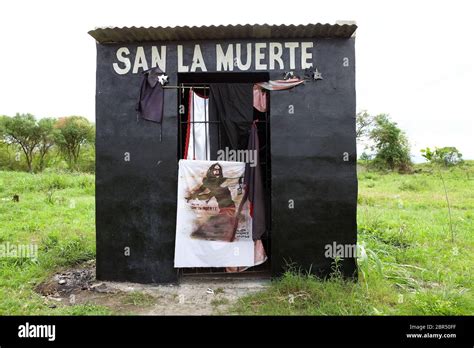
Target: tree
pixel 364 123
pixel 437 157
pixel 22 129
pixel 72 133
pixel 390 143
pixel 446 156
pixel 5 160
pixel 3 120
pixel 47 136
pixel 365 157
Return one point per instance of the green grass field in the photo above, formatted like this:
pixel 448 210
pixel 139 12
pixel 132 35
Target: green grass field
pixel 411 264
pixel 56 212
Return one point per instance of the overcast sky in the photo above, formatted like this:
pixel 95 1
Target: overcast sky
pixel 415 59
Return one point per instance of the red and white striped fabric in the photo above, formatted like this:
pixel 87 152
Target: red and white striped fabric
pixel 197 136
pixel 278 85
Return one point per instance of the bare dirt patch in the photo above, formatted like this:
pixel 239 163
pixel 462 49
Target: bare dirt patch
pixel 193 296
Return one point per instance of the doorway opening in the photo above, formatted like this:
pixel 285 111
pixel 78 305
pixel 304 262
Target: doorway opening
pixel 199 83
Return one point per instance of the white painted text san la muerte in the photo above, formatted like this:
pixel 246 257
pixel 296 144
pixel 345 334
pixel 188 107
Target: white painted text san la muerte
pixel 262 56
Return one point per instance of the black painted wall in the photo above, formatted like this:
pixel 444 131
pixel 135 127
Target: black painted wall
pixel 136 199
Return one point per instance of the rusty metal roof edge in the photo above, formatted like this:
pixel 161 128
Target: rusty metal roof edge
pixel 111 35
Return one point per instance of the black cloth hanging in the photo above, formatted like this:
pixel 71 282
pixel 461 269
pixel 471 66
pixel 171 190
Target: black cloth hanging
pixel 254 188
pixel 232 105
pixel 152 95
pixel 253 182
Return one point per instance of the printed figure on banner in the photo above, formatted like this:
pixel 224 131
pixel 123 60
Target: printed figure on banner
pixel 212 218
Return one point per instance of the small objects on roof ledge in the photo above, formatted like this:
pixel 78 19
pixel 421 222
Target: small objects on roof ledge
pixel 317 75
pixel 289 75
pixel 312 74
pixel 163 79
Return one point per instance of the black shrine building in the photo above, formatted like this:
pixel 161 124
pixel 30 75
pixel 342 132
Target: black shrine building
pixel 307 142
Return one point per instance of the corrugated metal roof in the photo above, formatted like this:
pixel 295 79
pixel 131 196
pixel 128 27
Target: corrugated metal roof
pixel 248 31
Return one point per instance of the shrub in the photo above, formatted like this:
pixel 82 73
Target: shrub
pixel 446 156
pixel 391 145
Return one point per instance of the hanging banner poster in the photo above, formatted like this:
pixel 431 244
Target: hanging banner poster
pixel 213 227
